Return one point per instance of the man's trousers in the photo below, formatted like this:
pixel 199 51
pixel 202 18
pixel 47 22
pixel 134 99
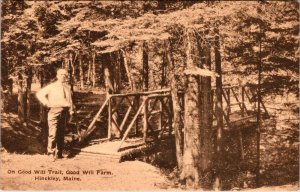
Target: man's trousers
pixel 57 120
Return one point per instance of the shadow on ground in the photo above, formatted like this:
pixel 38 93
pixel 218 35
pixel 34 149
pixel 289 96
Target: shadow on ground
pixel 16 137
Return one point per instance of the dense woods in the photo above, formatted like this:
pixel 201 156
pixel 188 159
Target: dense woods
pixel 187 46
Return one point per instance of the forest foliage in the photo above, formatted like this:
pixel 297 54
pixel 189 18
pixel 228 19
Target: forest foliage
pixel 39 34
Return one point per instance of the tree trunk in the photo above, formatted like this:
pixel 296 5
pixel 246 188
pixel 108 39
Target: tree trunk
pixel 71 78
pixel 145 67
pixel 72 61
pixel 28 94
pixel 6 85
pixel 219 115
pixel 89 72
pixel 192 154
pixel 43 115
pixel 10 86
pixel 177 124
pixel 163 70
pixel 131 84
pixel 115 61
pixel 41 79
pixel 81 72
pixel 93 69
pixel 206 116
pixel 66 66
pixel 21 106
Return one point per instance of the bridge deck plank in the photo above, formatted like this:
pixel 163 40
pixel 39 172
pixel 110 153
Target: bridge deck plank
pixel 109 149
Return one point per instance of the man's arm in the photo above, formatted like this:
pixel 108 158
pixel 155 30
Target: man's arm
pixel 72 108
pixel 70 100
pixel 42 96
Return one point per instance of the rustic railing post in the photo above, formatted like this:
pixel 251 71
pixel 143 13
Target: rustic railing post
pixel 109 119
pixel 145 126
pixel 136 105
pixel 170 121
pixel 161 113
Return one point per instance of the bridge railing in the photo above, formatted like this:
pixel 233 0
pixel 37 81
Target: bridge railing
pixel 128 112
pixel 151 111
pixel 239 100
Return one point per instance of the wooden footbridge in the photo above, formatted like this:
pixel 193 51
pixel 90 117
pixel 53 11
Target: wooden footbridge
pixel 135 122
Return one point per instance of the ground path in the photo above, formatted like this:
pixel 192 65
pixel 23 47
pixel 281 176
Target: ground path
pixel 108 175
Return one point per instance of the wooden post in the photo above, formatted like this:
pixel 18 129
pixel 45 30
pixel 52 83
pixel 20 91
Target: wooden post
pixel 170 119
pixel 136 105
pixel 145 125
pixel 161 113
pixel 109 119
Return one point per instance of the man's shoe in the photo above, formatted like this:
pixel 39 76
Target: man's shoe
pixel 54 158
pixel 59 157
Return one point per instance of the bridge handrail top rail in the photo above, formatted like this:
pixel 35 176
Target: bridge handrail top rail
pixel 228 86
pixel 142 93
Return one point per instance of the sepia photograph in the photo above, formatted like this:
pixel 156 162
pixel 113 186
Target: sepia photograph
pixel 149 95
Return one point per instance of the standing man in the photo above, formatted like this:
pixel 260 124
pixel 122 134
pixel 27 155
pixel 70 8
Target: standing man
pixel 57 96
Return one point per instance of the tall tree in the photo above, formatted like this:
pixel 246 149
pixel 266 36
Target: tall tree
pixel 177 111
pixel 192 122
pixel 219 113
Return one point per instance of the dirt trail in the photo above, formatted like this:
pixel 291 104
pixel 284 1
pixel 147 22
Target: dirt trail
pixel 107 174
